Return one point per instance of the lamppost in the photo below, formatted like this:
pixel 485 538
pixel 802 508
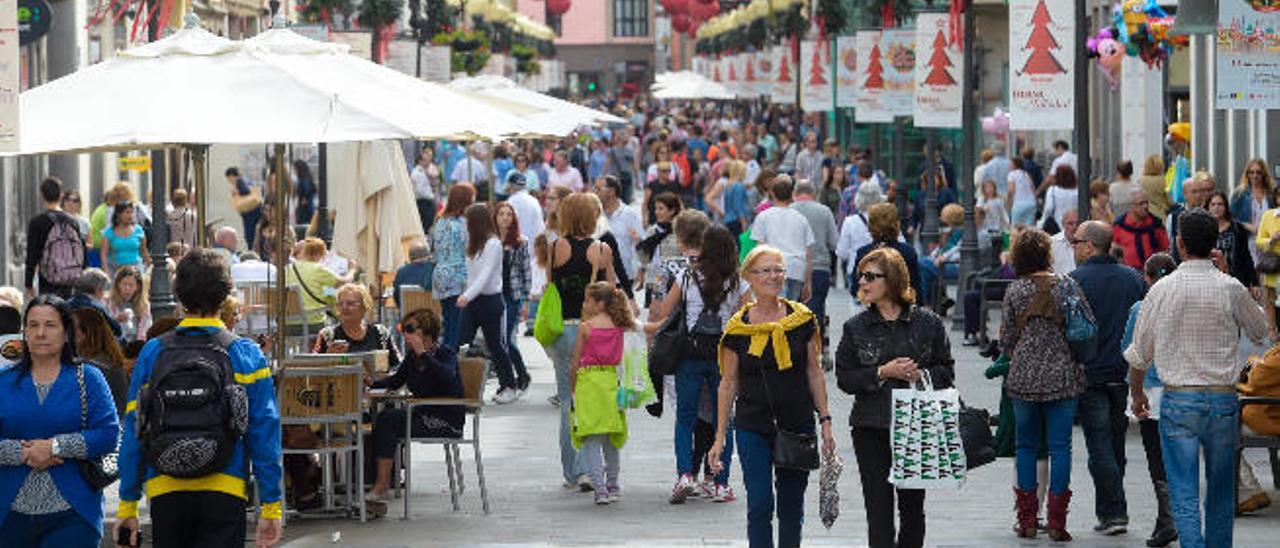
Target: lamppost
pixel 969 244
pixel 1084 158
pixel 162 304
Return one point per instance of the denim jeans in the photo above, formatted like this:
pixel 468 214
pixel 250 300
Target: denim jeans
pixel 691 376
pixel 929 277
pixel 450 318
pixel 561 354
pixel 65 529
pixel 1056 417
pixel 513 307
pixel 818 299
pixel 793 289
pixel 755 452
pixel 1190 421
pixel 1103 422
pixel 486 313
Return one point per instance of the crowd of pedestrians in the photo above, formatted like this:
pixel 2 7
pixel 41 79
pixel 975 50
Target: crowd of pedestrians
pixel 729 226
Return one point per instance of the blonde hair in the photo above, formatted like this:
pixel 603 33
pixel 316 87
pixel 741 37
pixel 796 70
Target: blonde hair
pixel 578 215
pixel 1266 175
pixel 757 253
pixel 229 312
pixel 119 192
pixel 11 296
pixel 615 303
pixel 953 215
pixel 737 171
pixel 366 298
pixel 313 249
pixel 1154 165
pixel 896 275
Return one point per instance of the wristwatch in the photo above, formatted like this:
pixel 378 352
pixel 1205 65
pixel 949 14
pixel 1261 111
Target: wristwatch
pixel 824 418
pixel 54 448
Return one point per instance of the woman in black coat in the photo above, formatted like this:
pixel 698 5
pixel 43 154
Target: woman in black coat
pixel 1233 242
pixel 889 345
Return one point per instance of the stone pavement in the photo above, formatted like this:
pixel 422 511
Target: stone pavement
pixel 531 508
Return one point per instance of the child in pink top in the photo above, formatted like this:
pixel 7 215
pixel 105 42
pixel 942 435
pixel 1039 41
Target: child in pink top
pixel 599 427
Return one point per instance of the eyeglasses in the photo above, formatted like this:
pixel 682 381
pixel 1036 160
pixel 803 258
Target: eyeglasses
pixel 869 276
pixel 1255 172
pixel 1077 241
pixel 350 304
pixel 1142 203
pixel 776 271
pixel 409 329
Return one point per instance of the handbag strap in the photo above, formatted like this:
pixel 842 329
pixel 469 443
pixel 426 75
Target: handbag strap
pixel 84 419
pixel 303 284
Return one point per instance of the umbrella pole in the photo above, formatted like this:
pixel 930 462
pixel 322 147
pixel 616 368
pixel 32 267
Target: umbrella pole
pixel 282 255
pixel 493 181
pixel 198 156
pixel 162 303
pixel 323 230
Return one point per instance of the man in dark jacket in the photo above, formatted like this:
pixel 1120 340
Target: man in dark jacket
pixel 1111 289
pixel 65 263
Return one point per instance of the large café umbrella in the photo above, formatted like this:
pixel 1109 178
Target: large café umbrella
pixel 193 89
pixel 550 116
pixel 688 85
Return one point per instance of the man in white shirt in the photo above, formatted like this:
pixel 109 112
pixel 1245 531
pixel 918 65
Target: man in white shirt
pixel 748 155
pixel 624 222
pixel 528 211
pixel 788 230
pixel 252 269
pixel 226 243
pixel 473 170
pixel 563 174
pixel 1064 254
pixel 1064 157
pixel 423 189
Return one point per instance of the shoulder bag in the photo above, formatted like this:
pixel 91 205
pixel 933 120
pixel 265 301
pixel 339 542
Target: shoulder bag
pixel 1081 331
pixel 549 323
pixel 102 471
pixel 244 203
pixel 668 343
pixel 792 450
pixel 312 294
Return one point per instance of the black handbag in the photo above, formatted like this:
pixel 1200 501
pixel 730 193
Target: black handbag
pixel 1268 263
pixel 975 435
pixel 102 471
pixel 792 450
pixel 668 344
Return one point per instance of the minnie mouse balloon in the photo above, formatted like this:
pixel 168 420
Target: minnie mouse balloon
pixel 1110 54
pixel 1001 119
pixel 989 124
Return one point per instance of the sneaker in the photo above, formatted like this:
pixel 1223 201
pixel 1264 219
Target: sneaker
pixel 585 485
pixel 1112 527
pixel 602 497
pixel 615 493
pixel 682 490
pixel 554 400
pixel 724 493
pixel 706 488
pixel 1253 504
pixel 505 396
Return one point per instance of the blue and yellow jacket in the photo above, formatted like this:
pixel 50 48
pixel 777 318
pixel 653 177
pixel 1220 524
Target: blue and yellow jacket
pixel 263 437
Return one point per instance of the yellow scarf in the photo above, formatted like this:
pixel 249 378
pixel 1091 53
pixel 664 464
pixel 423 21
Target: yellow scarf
pixel 762 333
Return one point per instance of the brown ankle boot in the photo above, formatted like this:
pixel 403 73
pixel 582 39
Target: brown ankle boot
pixel 1027 505
pixel 1058 504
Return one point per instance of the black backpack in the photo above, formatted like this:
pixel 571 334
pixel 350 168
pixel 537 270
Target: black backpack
pixel 703 341
pixel 192 411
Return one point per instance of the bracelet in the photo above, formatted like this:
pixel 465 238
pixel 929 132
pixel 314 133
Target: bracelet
pixel 824 418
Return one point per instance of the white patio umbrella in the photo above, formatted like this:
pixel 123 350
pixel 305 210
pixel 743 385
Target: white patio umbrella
pixel 279 87
pixel 688 85
pixel 555 117
pixel 374 199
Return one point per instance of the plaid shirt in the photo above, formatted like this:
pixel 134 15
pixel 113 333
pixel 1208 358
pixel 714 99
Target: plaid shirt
pixel 1190 323
pixel 516 275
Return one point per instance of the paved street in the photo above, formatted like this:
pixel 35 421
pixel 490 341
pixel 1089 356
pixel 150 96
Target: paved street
pixel 530 508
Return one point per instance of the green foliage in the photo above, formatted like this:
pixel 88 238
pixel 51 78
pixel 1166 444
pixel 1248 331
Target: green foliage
pixel 833 12
pixel 376 14
pixel 522 52
pixel 469 50
pixel 314 11
pixel 438 17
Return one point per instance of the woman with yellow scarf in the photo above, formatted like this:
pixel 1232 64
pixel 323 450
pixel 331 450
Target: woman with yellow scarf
pixel 769 370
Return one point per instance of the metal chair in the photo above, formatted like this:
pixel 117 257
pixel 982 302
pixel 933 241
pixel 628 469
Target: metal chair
pixel 328 393
pixel 473 372
pixel 298 334
pixel 1243 441
pixel 255 307
pixel 414 298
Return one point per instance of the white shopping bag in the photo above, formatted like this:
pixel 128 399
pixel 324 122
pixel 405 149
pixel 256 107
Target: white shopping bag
pixel 924 437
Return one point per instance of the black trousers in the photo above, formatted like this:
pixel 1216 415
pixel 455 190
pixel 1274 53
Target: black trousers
pixel 388 430
pixel 198 519
pixel 871 447
pixel 1151 446
pixel 426 213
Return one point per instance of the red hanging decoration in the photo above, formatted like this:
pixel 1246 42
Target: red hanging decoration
pixel 702 10
pixel 558 7
pixel 887 18
pixel 676 7
pixel 955 21
pixel 680 22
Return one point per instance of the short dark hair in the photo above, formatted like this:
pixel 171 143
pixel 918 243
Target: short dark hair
pixel 425 320
pixel 232 172
pixel 1061 144
pixel 1199 232
pixel 782 187
pixel 1125 169
pixel 611 183
pixel 51 189
pixel 202 282
pixel 1031 252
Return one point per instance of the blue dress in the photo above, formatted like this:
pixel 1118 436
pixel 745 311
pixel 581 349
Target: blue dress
pixel 127 250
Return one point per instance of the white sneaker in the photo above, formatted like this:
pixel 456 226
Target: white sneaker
pixel 724 493
pixel 505 396
pixel 682 489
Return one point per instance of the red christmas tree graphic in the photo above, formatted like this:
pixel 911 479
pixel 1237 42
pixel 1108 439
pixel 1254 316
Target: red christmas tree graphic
pixel 938 75
pixel 1040 42
pixel 784 71
pixel 751 71
pixel 874 70
pixel 733 72
pixel 717 75
pixel 816 70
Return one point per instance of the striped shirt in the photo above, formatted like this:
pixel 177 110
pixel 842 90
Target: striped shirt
pixel 1191 323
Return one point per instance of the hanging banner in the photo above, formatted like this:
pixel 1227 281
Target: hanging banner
pixel 10 76
pixel 1248 67
pixel 939 73
pixel 731 76
pixel 871 79
pixel 815 69
pixel 898 47
pixel 784 78
pixel 436 62
pixel 1041 52
pixel 763 61
pixel 746 76
pixel 846 72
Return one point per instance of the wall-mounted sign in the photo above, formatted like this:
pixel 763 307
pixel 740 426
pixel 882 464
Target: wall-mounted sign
pixel 34 17
pixel 134 163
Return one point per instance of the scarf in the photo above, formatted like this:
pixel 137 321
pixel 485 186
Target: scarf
pixel 650 245
pixel 762 333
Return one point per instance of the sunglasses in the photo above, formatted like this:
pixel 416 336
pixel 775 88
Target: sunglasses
pixel 869 276
pixel 777 271
pixel 1255 172
pixel 1077 241
pixel 409 329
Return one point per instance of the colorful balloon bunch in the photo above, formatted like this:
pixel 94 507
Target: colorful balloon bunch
pixel 1139 28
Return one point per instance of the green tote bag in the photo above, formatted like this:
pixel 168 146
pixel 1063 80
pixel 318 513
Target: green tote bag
pixel 549 324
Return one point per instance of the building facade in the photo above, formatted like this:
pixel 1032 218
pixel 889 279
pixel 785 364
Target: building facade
pixel 604 44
